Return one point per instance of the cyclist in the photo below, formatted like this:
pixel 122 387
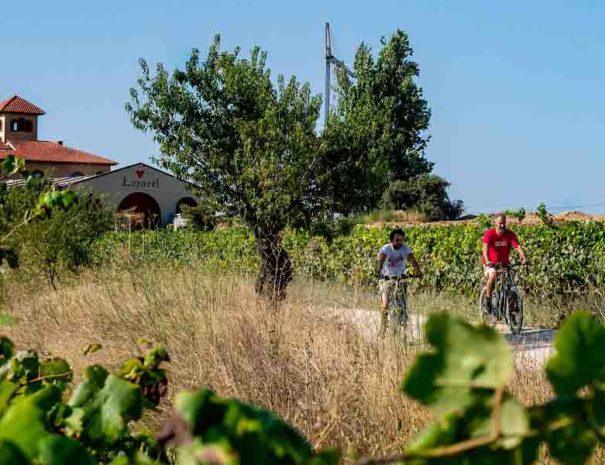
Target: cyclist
pixel 497 243
pixel 392 260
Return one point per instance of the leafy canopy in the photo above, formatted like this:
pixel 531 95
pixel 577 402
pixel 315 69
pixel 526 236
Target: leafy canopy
pixel 247 142
pixel 376 133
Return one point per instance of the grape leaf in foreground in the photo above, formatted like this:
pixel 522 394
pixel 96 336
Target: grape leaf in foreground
pixel 580 354
pixel 466 366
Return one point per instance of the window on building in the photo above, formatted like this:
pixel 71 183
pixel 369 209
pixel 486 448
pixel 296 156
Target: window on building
pixel 37 174
pixel 21 125
pixel 76 174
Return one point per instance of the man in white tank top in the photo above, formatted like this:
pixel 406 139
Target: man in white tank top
pixel 392 260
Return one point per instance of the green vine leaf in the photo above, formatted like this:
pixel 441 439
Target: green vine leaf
pixel 92 348
pixel 466 366
pixel 574 442
pixel 7 349
pixel 94 379
pixel 56 371
pixel 23 425
pixel 58 450
pixel 579 359
pixel 256 435
pixel 108 411
pixel 10 454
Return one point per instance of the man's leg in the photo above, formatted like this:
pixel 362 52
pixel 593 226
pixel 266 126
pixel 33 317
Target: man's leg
pixel 489 287
pixel 384 305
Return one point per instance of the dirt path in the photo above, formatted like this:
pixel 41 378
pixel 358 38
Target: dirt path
pixel 532 346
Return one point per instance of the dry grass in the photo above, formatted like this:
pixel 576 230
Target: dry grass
pixel 321 375
pixel 336 384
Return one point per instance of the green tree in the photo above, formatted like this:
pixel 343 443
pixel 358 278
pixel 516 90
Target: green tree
pixel 380 122
pixel 426 193
pixel 248 143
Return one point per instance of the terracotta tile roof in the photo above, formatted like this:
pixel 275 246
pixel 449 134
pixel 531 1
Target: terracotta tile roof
pixel 16 104
pixel 4 146
pixel 53 152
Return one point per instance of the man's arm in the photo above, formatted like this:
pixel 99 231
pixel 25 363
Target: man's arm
pixel 381 258
pixel 519 250
pixel 415 264
pixel 485 255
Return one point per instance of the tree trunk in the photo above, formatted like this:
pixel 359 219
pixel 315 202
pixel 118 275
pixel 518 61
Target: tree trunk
pixel 276 267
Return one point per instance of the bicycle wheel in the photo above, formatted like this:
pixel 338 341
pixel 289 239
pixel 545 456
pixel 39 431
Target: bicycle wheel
pixel 514 311
pixel 397 309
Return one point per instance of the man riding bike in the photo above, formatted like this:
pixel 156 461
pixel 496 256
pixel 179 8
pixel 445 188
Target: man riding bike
pixel 497 244
pixel 391 264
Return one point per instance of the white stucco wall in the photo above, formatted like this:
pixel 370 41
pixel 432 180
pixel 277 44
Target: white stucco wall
pixel 117 185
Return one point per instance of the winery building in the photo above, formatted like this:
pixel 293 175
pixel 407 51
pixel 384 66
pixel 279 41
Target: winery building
pixel 138 188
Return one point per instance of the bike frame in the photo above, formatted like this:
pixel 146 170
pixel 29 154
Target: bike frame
pixel 504 284
pixel 397 310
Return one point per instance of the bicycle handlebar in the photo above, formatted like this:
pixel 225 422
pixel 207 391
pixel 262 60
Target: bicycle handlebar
pixel 403 276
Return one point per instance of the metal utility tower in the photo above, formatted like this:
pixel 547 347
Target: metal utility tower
pixel 331 60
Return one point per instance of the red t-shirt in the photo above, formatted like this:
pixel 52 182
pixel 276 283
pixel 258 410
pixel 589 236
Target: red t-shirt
pixel 498 246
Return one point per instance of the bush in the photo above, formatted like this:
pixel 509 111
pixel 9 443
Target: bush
pixel 200 217
pixel 427 194
pixel 63 240
pixel 566 258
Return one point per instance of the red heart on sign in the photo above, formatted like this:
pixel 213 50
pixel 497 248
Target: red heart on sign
pixel 139 173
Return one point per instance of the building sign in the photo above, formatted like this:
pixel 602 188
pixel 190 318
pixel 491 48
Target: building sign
pixel 137 182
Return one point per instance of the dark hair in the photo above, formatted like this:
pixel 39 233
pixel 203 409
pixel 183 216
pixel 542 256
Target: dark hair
pixel 394 232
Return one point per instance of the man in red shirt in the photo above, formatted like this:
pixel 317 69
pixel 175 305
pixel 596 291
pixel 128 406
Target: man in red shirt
pixel 497 243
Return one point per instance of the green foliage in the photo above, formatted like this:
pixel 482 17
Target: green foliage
pixel 445 378
pixel 426 193
pixel 566 259
pixel 544 215
pixel 517 214
pixel 20 207
pixel 38 426
pixel 464 382
pixel 241 431
pixel 200 217
pixel 63 239
pixel 249 144
pixel 380 118
pixel 94 426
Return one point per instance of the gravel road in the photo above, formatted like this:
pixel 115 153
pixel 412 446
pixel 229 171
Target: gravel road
pixel 532 346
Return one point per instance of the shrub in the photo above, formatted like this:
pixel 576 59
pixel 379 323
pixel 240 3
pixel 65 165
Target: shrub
pixel 63 240
pixel 427 194
pixel 200 217
pixel 565 258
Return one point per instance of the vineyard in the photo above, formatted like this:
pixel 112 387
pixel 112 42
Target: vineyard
pixel 566 258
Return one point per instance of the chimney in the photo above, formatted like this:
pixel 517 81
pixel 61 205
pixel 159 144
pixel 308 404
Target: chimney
pixel 60 142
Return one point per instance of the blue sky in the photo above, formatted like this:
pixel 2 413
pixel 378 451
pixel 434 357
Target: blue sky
pixel 516 88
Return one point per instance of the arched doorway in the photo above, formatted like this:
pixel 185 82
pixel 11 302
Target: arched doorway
pixel 145 210
pixel 185 202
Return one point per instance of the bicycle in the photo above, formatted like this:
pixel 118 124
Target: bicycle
pixel 397 310
pixel 507 302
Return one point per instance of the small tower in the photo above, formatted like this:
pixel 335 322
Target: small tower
pixel 18 120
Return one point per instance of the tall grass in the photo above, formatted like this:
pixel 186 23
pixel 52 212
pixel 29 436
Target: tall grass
pixel 328 376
